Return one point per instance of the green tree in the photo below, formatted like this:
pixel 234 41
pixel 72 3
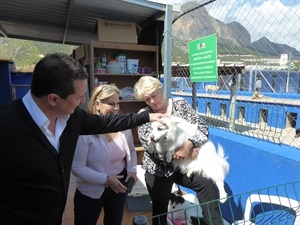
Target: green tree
pixel 26 54
pixel 48 48
pixel 23 52
pixel 296 65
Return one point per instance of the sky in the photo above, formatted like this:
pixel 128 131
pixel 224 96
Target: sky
pixel 277 20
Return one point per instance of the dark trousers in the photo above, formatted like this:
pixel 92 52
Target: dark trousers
pixel 160 188
pixel 87 210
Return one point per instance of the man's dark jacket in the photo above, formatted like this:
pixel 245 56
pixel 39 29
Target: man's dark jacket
pixel 34 178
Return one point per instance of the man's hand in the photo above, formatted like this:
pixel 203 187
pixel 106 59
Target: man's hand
pixel 157 117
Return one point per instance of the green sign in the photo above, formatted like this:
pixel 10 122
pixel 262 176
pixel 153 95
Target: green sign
pixel 203 59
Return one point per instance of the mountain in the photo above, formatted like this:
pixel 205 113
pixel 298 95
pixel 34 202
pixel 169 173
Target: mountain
pixel 199 23
pixel 264 46
pixel 194 22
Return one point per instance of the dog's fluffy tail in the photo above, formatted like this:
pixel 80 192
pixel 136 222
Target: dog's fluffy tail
pixel 220 151
pixel 225 167
pixel 221 154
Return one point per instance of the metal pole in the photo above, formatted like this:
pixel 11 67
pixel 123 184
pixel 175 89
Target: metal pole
pixel 250 80
pixel 168 51
pixel 288 74
pixel 194 96
pixel 232 102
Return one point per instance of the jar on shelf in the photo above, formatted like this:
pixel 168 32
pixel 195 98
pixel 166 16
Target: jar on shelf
pixel 121 58
pixel 103 61
pixel 95 82
pixel 114 67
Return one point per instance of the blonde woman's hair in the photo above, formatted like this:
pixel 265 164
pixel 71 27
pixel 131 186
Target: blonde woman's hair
pixel 100 94
pixel 146 86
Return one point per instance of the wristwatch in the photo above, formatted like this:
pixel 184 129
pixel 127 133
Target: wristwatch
pixel 193 142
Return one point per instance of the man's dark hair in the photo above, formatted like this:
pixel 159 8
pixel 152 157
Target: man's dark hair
pixel 55 73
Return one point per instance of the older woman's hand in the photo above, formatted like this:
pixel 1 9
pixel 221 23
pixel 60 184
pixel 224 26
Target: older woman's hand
pixel 194 153
pixel 183 151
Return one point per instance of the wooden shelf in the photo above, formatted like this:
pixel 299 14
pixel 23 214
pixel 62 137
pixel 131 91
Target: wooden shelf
pixel 148 57
pixel 124 46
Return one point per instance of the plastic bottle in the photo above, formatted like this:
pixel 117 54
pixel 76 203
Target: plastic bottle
pixel 95 82
pixel 98 62
pixel 103 61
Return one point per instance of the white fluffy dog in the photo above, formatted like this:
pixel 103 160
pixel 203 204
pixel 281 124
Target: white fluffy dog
pixel 166 138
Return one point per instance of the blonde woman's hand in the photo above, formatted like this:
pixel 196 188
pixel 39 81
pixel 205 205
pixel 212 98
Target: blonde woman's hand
pixel 130 174
pixel 114 183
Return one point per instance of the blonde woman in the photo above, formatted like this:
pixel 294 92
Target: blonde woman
pixel 160 175
pixel 102 165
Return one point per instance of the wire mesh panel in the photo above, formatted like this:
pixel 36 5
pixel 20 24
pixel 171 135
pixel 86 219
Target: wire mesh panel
pixel 274 205
pixel 258 86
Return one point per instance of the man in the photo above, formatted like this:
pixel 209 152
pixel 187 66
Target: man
pixel 38 136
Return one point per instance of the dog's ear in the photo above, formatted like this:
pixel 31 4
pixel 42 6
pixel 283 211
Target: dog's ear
pixel 181 199
pixel 173 197
pixel 179 191
pixel 175 119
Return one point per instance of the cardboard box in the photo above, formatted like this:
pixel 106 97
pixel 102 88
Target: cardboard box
pixel 118 31
pixel 82 54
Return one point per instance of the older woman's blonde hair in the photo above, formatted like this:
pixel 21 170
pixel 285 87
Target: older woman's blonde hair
pixel 145 86
pixel 100 94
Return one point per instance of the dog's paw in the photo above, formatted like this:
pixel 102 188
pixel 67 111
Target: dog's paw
pixel 189 173
pixel 151 147
pixel 169 157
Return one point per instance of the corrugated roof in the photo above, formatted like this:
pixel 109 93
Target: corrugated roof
pixel 70 21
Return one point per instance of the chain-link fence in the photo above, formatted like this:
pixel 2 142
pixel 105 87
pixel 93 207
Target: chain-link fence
pixel 257 92
pixel 275 205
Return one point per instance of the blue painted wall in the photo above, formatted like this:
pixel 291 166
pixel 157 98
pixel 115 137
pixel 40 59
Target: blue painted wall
pixel 270 80
pixel 7 79
pixel 276 113
pixel 22 79
pixel 5 82
pixel 257 164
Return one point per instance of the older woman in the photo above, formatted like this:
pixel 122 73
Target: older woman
pixel 160 175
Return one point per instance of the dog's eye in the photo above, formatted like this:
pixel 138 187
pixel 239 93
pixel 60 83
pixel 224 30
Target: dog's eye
pixel 161 128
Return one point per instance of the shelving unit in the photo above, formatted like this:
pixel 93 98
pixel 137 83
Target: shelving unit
pixel 147 55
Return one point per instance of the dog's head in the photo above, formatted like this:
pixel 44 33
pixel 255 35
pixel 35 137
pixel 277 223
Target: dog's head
pixel 176 199
pixel 160 131
pixel 297 133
